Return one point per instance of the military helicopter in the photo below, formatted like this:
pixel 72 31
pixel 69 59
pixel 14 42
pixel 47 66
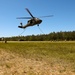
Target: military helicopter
pixel 32 20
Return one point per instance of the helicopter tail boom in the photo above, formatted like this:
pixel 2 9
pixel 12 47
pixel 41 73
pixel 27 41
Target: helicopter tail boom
pixel 22 27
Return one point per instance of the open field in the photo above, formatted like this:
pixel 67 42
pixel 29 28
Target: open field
pixel 37 58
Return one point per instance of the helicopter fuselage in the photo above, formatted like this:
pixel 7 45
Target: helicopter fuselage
pixel 34 21
pixel 31 22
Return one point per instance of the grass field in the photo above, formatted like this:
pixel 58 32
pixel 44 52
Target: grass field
pixel 61 53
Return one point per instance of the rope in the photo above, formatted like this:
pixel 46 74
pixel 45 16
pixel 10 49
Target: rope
pixel 22 32
pixel 40 29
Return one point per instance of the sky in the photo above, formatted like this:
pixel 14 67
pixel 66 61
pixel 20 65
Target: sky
pixel 63 19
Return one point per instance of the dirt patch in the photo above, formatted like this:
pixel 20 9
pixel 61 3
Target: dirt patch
pixel 13 64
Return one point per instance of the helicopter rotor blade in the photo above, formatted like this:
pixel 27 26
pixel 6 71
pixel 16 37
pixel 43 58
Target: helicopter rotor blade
pixel 46 16
pixel 29 12
pixel 23 17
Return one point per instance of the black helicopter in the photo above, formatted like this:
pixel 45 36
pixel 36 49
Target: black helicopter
pixel 32 20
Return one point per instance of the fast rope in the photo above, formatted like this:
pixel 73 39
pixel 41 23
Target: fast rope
pixel 40 29
pixel 22 32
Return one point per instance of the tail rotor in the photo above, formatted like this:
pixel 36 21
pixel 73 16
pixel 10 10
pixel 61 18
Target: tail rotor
pixel 21 24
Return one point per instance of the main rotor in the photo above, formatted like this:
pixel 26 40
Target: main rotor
pixel 32 17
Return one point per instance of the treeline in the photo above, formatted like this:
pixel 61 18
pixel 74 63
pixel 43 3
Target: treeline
pixel 54 36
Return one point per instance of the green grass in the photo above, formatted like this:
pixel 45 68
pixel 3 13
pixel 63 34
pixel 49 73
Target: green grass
pixel 42 50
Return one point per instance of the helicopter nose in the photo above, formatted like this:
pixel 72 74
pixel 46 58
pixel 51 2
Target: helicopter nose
pixel 40 21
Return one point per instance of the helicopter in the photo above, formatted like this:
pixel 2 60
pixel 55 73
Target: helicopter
pixel 32 20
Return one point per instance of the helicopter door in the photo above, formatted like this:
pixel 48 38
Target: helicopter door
pixel 30 22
